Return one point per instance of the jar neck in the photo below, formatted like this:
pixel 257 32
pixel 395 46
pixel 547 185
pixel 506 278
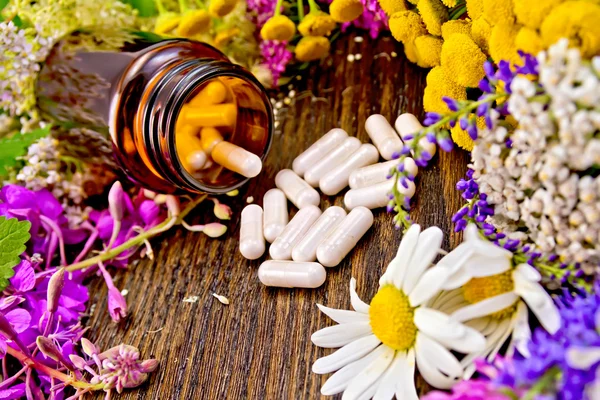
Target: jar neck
pixel 165 101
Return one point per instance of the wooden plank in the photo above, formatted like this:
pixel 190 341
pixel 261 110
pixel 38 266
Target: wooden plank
pixel 259 346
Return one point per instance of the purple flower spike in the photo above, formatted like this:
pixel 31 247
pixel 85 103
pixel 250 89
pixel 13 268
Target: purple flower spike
pixel 452 123
pixel 400 167
pixel 485 86
pixel 488 121
pixel 452 104
pixel 446 144
pixel 472 131
pixel 426 155
pixel 405 150
pixel 395 155
pixel 464 123
pixel 390 208
pixel 482 109
pixel 431 118
pixel 489 69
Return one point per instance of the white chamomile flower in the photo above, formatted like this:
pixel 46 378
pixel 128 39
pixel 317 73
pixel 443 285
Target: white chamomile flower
pixel 485 289
pixel 381 343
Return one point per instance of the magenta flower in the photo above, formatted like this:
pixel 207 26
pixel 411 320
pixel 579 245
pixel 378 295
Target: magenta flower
pixel 373 19
pixel 276 57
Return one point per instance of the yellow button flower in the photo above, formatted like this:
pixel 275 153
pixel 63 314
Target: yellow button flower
pixel 428 51
pixel 529 41
pixel 481 30
pixel 463 60
pixel 220 8
pixel 456 26
pixel 345 10
pixel 502 42
pixel 462 138
pixel 532 13
pixel 406 26
pixel 316 24
pixel 439 85
pixel 278 27
pixel 450 3
pixel 311 48
pixel 410 51
pixel 498 11
pixel 166 22
pixel 475 8
pixel 193 23
pixel 222 38
pixel 434 14
pixel 392 6
pixel 578 21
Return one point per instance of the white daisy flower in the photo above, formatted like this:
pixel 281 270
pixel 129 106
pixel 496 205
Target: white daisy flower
pixel 485 289
pixel 382 342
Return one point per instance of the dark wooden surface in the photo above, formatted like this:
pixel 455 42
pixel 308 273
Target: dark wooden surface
pixel 259 347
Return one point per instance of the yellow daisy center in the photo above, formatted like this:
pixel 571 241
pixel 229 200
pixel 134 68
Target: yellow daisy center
pixel 479 289
pixel 392 318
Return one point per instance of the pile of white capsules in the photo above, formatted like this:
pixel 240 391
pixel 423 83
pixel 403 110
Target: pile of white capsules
pixel 332 163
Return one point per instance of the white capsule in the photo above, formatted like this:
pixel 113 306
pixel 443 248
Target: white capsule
pixel 275 214
pixel 379 172
pixel 375 196
pixel 306 249
pixel 407 124
pixel 300 193
pixel 252 241
pixel 383 136
pixel 281 249
pixel 237 159
pixel 314 174
pixel 343 239
pixel 291 274
pixel 318 150
pixel 197 159
pixel 337 179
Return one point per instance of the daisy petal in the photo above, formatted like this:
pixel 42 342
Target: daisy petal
pixel 582 357
pixel 429 285
pixel 356 302
pixel 492 326
pixel 493 265
pixel 428 246
pixel 339 381
pixel 485 307
pixel 456 258
pixel 479 324
pixel 457 279
pixel 530 273
pixel 387 385
pixel 340 335
pixel 343 316
pixel 405 387
pixel 521 333
pixel 449 333
pixel 369 376
pixel 347 354
pixel 397 267
pixel 436 364
pixel 538 301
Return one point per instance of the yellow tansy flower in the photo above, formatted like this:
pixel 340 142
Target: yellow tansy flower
pixel 456 26
pixel 415 2
pixel 316 24
pixel 220 8
pixel 498 11
pixel 502 42
pixel 450 3
pixel 225 36
pixel 193 23
pixel 475 8
pixel 410 51
pixel 311 48
pixel 406 25
pixel 463 60
pixel 481 30
pixel 434 14
pixel 278 27
pixel 529 41
pixel 392 6
pixel 462 138
pixel 532 13
pixel 428 50
pixel 166 22
pixel 578 21
pixel 439 84
pixel 345 10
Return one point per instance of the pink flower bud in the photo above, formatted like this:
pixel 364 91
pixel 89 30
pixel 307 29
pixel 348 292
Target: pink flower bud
pixel 55 287
pixel 117 306
pixel 221 210
pixel 51 350
pixel 116 201
pixel 77 361
pixel 149 365
pixel 88 347
pixel 214 229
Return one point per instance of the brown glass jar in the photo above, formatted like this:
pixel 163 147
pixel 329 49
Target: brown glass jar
pixel 128 89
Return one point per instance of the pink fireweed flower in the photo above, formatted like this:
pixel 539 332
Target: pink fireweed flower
pixel 222 211
pixel 276 57
pixel 122 368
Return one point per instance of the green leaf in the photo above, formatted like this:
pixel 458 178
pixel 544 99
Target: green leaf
pixel 16 146
pixel 13 236
pixel 146 8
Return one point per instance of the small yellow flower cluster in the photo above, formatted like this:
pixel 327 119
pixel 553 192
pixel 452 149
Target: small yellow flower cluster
pixel 315 27
pixel 191 23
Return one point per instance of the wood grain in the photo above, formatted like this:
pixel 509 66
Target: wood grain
pixel 259 346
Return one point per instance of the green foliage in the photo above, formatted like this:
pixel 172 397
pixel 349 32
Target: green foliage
pixel 146 8
pixel 16 146
pixel 13 236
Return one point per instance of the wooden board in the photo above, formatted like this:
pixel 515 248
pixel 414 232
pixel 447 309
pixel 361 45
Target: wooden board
pixel 258 347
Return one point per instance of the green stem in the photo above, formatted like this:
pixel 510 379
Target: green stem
pixel 137 240
pixel 301 10
pixel 160 7
pixel 542 384
pixel 66 379
pixel 182 6
pixel 313 6
pixel 278 7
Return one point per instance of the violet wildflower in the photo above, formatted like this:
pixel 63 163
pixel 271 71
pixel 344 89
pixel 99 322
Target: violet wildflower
pixel 276 57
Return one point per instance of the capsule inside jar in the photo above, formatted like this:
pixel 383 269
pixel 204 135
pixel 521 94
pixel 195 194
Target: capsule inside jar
pixel 216 135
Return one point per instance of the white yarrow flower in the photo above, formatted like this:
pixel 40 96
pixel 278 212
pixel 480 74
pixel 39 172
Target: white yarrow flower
pixel 382 343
